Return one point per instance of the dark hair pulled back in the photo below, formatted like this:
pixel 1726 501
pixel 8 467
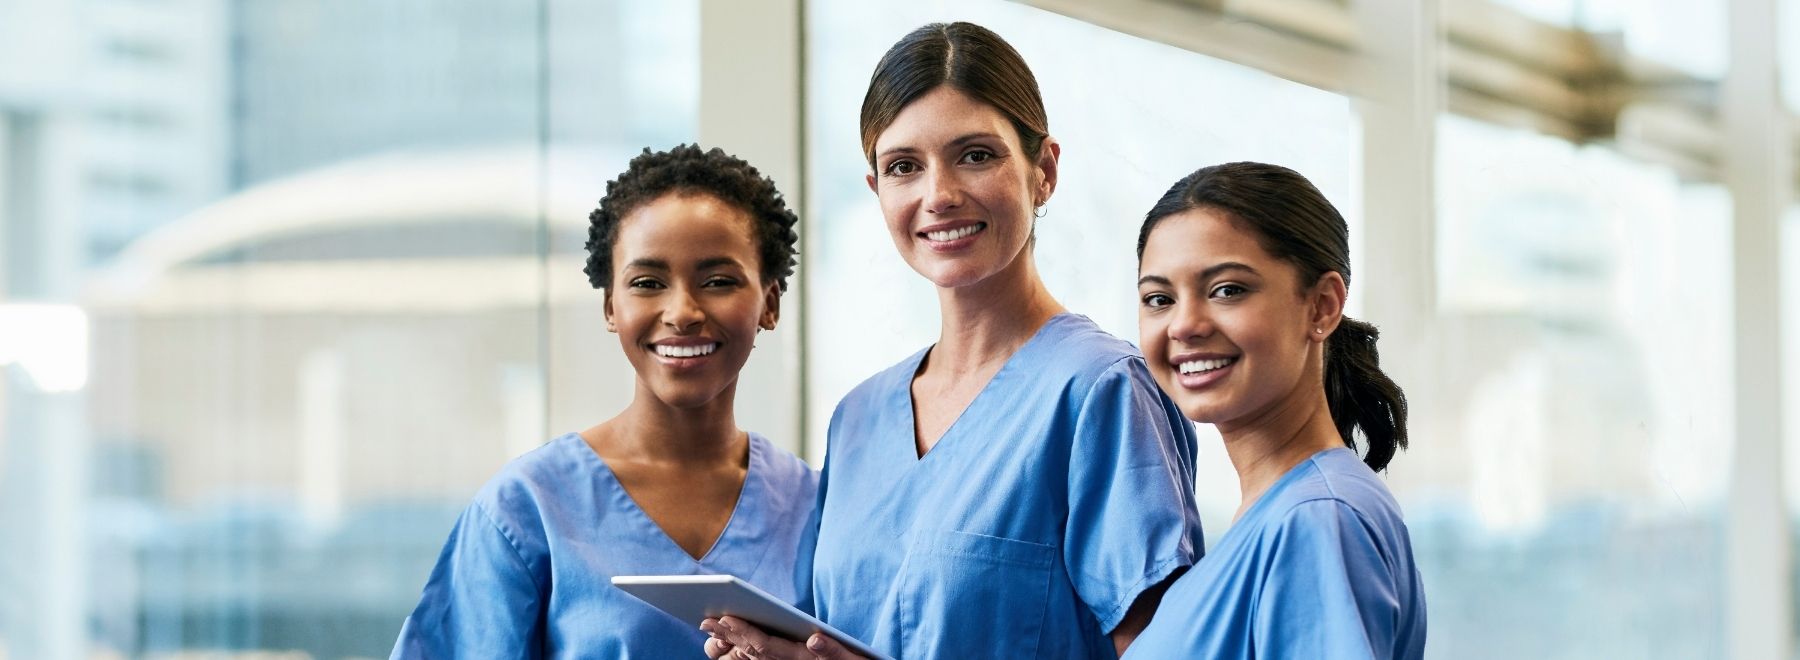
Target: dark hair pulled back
pixel 967 57
pixel 1294 222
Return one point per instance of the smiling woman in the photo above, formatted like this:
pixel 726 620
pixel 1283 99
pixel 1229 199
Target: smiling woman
pixel 692 250
pixel 1019 488
pixel 1244 270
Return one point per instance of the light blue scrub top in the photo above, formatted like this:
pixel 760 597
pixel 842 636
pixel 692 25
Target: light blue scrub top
pixel 1060 494
pixel 526 572
pixel 1320 567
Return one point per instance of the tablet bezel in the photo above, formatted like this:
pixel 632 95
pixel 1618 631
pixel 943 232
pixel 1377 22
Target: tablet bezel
pixel 692 598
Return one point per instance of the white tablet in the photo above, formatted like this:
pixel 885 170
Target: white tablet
pixel 692 598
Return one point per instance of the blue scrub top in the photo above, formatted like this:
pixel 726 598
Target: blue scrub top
pixel 526 572
pixel 1320 567
pixel 1062 492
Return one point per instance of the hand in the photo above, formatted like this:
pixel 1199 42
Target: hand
pixel 738 639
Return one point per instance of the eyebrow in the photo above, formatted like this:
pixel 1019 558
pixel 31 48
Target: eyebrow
pixel 955 143
pixel 703 264
pixel 715 262
pixel 1210 272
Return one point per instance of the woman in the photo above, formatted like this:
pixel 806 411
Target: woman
pixel 692 250
pixel 1243 271
pixel 1020 488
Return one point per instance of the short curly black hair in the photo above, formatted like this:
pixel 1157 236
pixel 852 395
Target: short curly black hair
pixel 688 169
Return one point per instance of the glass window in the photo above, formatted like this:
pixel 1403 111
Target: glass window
pixel 1789 279
pixel 1561 13
pixel 262 347
pixel 1787 36
pixel 1568 472
pixel 1689 36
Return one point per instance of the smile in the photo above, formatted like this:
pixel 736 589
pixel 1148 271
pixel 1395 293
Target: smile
pixel 946 235
pixel 1203 366
pixel 686 351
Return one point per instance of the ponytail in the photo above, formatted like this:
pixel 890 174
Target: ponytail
pixel 1360 396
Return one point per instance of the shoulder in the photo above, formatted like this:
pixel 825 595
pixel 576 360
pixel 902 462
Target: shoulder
pixel 516 497
pixel 1078 353
pixel 1080 344
pixel 1335 494
pixel 1341 476
pixel 876 395
pixel 787 471
pixel 884 382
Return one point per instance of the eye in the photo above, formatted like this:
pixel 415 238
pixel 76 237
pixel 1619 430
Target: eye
pixel 1228 291
pixel 649 283
pixel 978 156
pixel 901 167
pixel 720 281
pixel 1158 301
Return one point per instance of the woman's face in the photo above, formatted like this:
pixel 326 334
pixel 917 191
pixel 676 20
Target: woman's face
pixel 686 296
pixel 956 187
pixel 1227 330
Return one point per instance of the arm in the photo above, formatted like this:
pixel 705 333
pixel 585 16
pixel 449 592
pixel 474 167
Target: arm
pixel 1132 522
pixel 1328 592
pixel 480 601
pixel 1138 617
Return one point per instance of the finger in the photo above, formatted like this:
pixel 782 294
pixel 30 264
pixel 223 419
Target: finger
pixel 827 648
pixel 743 633
pixel 749 640
pixel 717 648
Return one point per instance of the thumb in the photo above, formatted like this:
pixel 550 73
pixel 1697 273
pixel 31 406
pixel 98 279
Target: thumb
pixel 824 647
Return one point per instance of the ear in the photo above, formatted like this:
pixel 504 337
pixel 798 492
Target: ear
pixel 870 179
pixel 771 306
pixel 1327 301
pixel 1048 156
pixel 606 303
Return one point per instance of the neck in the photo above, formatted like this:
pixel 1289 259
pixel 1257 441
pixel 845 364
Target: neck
pixel 990 319
pixel 1272 442
pixel 653 431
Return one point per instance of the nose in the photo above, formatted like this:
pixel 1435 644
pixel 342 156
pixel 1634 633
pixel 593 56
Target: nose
pixel 945 193
pixel 1190 323
pixel 682 312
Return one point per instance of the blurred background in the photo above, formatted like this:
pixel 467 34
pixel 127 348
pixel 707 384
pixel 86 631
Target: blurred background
pixel 283 282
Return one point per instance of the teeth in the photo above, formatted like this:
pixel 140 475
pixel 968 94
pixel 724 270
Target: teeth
pixel 685 351
pixel 1200 366
pixel 953 234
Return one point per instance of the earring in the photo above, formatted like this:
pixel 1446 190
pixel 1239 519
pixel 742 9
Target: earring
pixel 1319 330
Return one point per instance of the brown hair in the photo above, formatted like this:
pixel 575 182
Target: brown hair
pixel 1294 222
pixel 967 57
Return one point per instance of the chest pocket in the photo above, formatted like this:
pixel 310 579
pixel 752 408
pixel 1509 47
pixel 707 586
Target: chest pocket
pixel 971 595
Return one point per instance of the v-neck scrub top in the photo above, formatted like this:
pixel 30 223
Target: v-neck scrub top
pixel 1062 492
pixel 527 570
pixel 1320 566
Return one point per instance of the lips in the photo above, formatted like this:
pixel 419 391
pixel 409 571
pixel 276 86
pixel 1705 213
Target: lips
pixel 1197 372
pixel 697 350
pixel 1204 365
pixel 951 236
pixel 684 353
